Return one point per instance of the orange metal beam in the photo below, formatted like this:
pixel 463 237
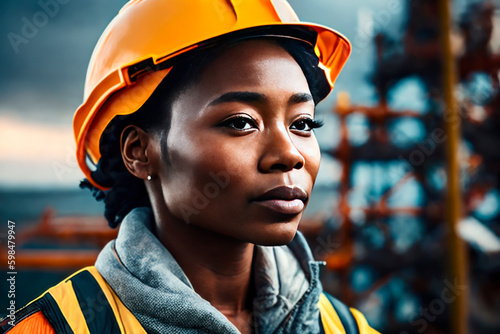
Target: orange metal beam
pixel 52 259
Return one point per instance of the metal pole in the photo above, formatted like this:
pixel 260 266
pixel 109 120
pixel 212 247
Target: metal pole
pixel 456 248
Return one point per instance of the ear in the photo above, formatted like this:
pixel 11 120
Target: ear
pixel 134 148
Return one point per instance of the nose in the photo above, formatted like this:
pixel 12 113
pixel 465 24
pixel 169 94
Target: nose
pixel 279 152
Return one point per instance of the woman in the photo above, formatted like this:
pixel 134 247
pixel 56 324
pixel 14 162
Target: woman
pixel 196 131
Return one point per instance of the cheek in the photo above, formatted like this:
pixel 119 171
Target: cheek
pixel 311 152
pixel 188 168
pixel 203 174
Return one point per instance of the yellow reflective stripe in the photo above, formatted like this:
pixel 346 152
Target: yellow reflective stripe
pixel 329 318
pixel 364 327
pixel 127 322
pixel 65 297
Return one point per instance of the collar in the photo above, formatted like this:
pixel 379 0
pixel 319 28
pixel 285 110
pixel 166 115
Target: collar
pixel 149 281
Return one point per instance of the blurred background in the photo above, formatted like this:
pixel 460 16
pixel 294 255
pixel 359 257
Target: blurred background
pixel 410 238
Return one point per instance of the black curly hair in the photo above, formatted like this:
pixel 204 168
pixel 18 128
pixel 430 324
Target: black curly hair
pixel 128 192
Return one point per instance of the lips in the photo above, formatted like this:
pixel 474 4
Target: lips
pixel 286 200
pixel 284 193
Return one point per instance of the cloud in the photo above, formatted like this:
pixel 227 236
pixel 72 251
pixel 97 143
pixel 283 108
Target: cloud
pixel 34 154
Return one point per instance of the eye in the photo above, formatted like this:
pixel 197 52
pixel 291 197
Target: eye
pixel 306 124
pixel 241 123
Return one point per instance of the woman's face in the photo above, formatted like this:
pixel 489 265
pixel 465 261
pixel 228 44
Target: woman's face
pixel 239 132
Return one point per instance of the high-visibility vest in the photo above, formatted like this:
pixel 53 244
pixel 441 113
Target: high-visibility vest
pixel 85 304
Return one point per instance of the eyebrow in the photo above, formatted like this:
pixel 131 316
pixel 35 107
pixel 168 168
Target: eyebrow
pixel 300 98
pixel 253 97
pixel 247 97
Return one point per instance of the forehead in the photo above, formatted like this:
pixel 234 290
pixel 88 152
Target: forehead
pixel 254 63
pixel 253 66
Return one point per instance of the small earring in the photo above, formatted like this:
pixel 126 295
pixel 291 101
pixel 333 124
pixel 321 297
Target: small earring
pixel 149 177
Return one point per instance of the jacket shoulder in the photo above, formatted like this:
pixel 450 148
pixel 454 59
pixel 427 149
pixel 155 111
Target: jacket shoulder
pixel 364 327
pixel 83 302
pixel 336 317
pixel 35 323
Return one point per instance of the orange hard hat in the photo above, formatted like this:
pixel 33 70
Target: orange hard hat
pixel 140 45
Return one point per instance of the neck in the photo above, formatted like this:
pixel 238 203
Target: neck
pixel 219 268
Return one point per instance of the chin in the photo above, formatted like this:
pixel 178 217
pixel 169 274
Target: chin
pixel 276 236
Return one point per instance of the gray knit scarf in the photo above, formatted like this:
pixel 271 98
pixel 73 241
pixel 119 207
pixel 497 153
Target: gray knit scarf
pixel 154 288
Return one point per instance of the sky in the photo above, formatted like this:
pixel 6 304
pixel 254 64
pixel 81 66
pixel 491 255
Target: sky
pixel 45 49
